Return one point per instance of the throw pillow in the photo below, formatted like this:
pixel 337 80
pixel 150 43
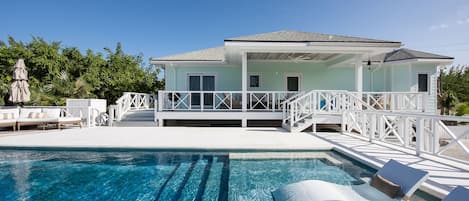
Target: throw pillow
pixel 387 187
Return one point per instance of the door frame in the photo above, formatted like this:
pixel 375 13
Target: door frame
pixel 201 79
pixel 300 80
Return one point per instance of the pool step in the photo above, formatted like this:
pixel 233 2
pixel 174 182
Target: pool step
pixel 195 182
pixel 201 179
pixel 212 186
pixel 169 191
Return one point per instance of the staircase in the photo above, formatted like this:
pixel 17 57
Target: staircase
pixel 137 118
pixel 319 107
pixel 133 110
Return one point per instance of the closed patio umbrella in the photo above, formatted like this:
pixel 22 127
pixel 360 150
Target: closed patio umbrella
pixel 20 87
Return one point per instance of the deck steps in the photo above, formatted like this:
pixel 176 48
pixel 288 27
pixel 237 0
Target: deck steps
pixel 137 118
pixel 197 180
pixel 310 120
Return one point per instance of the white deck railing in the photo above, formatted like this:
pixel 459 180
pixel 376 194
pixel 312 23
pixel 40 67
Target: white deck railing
pixel 423 133
pixel 397 101
pixel 319 102
pixel 221 100
pixel 129 101
pixel 338 101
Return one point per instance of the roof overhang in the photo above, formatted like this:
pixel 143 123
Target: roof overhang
pixel 421 60
pixel 163 63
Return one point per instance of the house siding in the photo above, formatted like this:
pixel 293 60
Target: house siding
pixel 399 77
pixel 227 78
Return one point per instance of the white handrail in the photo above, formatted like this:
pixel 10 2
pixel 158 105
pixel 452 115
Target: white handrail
pixel 423 133
pixel 131 100
pixel 221 100
pixel 320 101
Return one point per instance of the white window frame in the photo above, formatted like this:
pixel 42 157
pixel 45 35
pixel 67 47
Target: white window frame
pixel 201 79
pixel 249 79
pixel 300 80
pixel 429 74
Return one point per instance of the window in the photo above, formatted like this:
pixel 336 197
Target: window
pixel 423 82
pixel 254 81
pixel 293 83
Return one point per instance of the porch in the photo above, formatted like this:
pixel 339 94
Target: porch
pixel 319 106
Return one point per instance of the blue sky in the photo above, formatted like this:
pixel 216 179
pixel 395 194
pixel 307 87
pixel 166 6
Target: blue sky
pixel 159 28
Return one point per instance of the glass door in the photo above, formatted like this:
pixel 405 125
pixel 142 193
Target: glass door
pixel 194 85
pixel 208 84
pixel 204 83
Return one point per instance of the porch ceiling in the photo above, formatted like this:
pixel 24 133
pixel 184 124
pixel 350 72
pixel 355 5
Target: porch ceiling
pixel 292 56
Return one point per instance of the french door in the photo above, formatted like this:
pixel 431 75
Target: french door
pixel 198 82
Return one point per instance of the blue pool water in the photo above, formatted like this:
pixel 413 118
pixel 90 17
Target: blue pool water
pixel 47 175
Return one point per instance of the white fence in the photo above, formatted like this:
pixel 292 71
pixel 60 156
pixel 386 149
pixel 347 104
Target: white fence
pixel 338 101
pixel 320 102
pixel 397 101
pixel 130 101
pixel 423 133
pixel 221 100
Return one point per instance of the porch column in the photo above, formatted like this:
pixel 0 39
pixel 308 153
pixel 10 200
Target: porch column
pixel 244 85
pixel 358 74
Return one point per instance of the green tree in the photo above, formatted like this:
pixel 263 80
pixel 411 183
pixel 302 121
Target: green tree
pixel 57 73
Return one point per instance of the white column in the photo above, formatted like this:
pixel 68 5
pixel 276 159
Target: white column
pixel 244 84
pixel 358 74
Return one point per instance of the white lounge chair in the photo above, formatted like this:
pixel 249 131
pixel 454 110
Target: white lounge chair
pixel 458 194
pixel 8 117
pixel 55 117
pixel 28 117
pixel 409 179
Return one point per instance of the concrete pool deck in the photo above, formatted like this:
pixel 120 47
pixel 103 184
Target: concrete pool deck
pixel 169 138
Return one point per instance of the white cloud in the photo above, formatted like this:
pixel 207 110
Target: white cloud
pixel 463 21
pixel 439 26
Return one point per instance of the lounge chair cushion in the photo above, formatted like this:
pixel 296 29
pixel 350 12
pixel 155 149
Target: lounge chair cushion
pixel 459 193
pixel 33 120
pixel 6 116
pixel 7 121
pixel 37 115
pixel 64 120
pixel 24 112
pixel 69 119
pixel 14 111
pixel 385 186
pixel 408 178
pixel 52 112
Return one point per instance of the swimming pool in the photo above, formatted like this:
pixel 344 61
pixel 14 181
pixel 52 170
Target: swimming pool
pixel 79 175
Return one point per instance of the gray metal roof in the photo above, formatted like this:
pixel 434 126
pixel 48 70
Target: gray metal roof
pixel 210 54
pixel 405 54
pixel 298 36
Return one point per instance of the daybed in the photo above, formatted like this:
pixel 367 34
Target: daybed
pixel 17 117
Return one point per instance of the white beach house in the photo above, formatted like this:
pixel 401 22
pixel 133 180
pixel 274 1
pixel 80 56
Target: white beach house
pixel 299 78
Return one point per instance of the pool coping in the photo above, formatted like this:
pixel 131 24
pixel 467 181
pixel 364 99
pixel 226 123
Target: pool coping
pixel 162 149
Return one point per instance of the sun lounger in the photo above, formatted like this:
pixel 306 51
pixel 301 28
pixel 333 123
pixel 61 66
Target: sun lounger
pixel 55 117
pixel 31 117
pixel 458 194
pixel 8 117
pixel 409 179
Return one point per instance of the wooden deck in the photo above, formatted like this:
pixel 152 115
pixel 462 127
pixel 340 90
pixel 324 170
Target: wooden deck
pixel 444 174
